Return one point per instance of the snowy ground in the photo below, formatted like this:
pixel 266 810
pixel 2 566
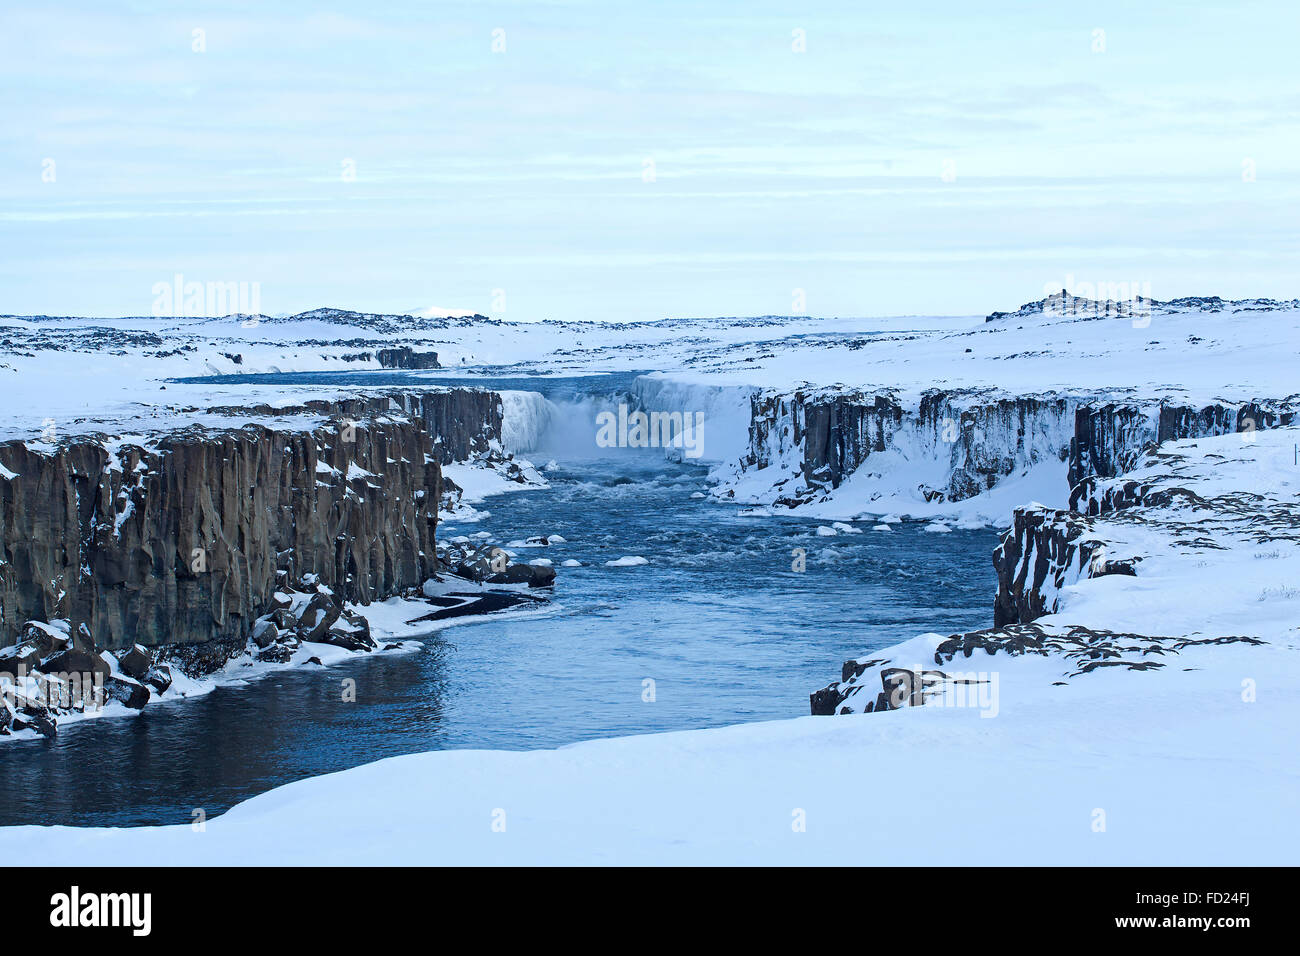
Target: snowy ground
pixel 114 370
pixel 1174 766
pixel 1191 763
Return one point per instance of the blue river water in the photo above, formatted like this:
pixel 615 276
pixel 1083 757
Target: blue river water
pixel 717 620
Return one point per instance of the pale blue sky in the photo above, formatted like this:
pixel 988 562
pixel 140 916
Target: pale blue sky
pixel 522 170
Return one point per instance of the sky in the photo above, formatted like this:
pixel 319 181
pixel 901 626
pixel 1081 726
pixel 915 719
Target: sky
pixel 624 161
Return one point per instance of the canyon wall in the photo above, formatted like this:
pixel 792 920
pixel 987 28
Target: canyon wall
pixel 965 442
pixel 1109 437
pixel 184 538
pixel 1046 549
pixel 951 446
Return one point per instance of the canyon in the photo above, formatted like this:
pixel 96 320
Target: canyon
pixel 181 525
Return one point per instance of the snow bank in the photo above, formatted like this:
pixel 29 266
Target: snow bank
pixel 1023 788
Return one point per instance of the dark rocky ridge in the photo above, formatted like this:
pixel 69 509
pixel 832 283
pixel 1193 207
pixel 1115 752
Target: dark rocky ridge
pixel 182 544
pixel 1046 549
pixel 883 684
pixel 827 434
pixel 1065 304
pixel 833 432
pixel 1109 438
pixel 407 358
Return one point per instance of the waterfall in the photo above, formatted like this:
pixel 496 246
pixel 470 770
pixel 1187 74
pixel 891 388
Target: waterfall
pixel 569 427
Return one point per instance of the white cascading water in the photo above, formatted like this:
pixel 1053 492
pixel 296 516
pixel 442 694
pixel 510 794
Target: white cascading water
pixel 568 428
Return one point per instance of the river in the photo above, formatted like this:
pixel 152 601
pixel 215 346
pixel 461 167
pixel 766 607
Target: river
pixel 716 628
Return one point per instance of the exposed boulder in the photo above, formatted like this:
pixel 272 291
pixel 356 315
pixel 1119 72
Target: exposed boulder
pixel 75 661
pixel 24 657
pixel 265 632
pixel 534 575
pixel 350 631
pixel 135 663
pixel 132 693
pixel 317 617
pixel 159 678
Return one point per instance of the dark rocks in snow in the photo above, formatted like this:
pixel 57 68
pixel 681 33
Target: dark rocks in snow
pixel 314 615
pixel 202 658
pixel 159 678
pixel 132 693
pixel 18 713
pixel 46 639
pixel 406 357
pixel 488 564
pixel 319 614
pixel 135 663
pixel 350 631
pixel 1036 555
pixel 281 652
pixel 1109 438
pixel 265 631
pixel 75 661
pixel 1081 651
pixel 455 604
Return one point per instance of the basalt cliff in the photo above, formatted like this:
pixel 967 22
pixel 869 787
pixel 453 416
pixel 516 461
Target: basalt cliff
pixel 180 540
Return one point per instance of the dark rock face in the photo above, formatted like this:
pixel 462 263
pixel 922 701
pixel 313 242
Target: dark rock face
pixel 1037 556
pixel 406 357
pixel 180 546
pixel 182 543
pixel 838 432
pixel 1109 438
pixel 827 434
pixel 831 433
pixel 463 422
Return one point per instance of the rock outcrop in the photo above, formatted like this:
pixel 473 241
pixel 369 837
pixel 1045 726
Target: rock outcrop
pixel 180 543
pixel 1109 437
pixel 962 443
pixel 815 439
pixel 883 683
pixel 406 357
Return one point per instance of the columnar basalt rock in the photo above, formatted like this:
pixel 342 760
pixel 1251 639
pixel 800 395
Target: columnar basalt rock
pixel 182 541
pixel 975 439
pixel 1042 552
pixel 1110 437
pixel 815 439
pixel 405 357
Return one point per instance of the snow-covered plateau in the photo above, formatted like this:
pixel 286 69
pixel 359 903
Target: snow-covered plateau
pixel 1133 698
